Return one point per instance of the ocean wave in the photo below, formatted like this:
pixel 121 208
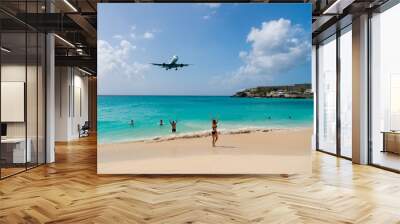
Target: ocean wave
pixel 206 133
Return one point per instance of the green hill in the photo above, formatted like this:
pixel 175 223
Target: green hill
pixel 288 91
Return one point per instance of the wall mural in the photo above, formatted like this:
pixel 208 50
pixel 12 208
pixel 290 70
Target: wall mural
pixel 204 88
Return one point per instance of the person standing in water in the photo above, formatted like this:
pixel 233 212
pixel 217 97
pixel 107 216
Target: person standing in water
pixel 173 125
pixel 161 122
pixel 132 123
pixel 214 132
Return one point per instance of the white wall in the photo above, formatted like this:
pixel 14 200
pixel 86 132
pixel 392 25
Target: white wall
pixel 17 73
pixel 13 101
pixel 62 82
pixel 14 72
pixel 71 87
pixel 80 110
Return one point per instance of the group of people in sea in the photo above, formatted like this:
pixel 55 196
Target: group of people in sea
pixel 173 123
pixel 214 132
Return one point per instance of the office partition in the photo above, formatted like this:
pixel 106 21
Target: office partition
pixel 327 97
pixel 22 77
pixel 385 89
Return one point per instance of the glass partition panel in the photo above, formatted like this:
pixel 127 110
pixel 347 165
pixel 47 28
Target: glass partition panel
pixel 346 92
pixel 327 95
pixel 14 153
pixel 385 89
pixel 22 77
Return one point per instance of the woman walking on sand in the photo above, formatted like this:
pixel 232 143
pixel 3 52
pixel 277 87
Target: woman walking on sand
pixel 214 132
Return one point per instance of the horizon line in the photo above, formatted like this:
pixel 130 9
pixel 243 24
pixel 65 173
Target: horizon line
pixel 153 95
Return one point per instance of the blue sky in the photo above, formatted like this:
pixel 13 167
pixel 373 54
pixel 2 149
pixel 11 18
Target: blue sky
pixel 231 47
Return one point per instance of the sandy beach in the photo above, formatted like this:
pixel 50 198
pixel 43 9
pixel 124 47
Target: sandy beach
pixel 280 151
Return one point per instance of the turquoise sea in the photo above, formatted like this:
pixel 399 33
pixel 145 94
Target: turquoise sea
pixel 194 114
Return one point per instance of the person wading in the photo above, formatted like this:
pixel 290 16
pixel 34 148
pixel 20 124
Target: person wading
pixel 173 125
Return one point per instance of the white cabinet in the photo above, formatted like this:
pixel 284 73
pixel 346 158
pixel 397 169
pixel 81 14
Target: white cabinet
pixel 19 154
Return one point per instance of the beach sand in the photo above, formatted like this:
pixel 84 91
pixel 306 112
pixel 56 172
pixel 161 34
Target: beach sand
pixel 283 151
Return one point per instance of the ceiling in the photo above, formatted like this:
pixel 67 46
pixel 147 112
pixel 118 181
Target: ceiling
pixel 75 21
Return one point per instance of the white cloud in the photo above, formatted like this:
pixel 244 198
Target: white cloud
pixel 212 5
pixel 132 33
pixel 277 46
pixel 135 34
pixel 208 16
pixel 148 35
pixel 114 60
pixel 117 36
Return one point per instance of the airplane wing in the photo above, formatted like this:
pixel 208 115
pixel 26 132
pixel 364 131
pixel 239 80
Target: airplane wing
pixel 182 65
pixel 171 66
pixel 162 65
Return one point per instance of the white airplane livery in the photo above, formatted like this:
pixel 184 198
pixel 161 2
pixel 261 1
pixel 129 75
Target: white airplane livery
pixel 172 64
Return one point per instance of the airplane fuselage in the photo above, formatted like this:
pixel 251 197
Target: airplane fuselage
pixel 174 59
pixel 172 64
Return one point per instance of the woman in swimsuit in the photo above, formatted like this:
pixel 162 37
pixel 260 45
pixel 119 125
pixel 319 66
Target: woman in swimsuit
pixel 214 132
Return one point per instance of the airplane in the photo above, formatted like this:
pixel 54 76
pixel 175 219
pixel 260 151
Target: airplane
pixel 172 64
